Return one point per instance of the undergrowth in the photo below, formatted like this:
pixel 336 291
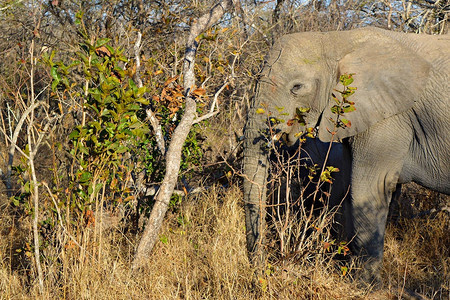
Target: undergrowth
pixel 201 255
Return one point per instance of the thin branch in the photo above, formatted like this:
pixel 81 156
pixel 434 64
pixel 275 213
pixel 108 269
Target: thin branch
pixel 213 105
pixel 34 181
pixel 157 130
pixel 137 57
pixel 10 5
pixel 58 212
pixel 205 117
pixel 216 96
pixel 150 114
pixel 12 148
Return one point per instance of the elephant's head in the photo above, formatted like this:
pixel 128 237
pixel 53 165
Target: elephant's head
pixel 301 71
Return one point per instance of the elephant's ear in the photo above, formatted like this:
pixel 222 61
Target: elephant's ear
pixel 389 79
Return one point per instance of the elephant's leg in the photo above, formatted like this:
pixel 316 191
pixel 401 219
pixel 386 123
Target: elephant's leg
pixel 375 173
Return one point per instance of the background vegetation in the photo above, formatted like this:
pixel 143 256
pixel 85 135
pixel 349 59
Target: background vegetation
pixel 81 160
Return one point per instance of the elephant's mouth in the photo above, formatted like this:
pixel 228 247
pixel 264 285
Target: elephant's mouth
pixel 293 131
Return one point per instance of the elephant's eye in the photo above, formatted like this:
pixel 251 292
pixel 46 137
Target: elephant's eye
pixel 296 88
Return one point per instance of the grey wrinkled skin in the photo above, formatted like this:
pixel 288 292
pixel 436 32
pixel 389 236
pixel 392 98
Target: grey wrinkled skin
pixel 399 133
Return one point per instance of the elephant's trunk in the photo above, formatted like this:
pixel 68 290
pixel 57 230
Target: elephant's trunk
pixel 255 170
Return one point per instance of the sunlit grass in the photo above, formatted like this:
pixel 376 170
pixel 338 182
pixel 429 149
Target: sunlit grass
pixel 202 255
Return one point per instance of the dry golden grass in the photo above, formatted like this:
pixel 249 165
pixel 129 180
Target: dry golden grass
pixel 202 255
pixel 417 256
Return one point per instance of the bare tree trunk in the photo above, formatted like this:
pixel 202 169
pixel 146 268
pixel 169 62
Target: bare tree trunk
pixel 173 155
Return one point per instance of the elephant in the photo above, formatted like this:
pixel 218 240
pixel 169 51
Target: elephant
pixel 398 132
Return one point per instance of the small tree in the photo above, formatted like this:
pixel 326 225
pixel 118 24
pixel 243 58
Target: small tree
pixel 173 155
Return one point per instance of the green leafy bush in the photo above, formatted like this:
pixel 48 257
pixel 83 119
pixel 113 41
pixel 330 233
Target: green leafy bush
pixel 113 143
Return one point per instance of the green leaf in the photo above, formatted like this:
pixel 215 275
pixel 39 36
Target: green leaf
pixel 92 107
pixel 98 186
pixel 116 51
pixel 26 187
pixel 101 42
pixel 133 107
pixel 163 239
pixel 332 169
pixel 143 101
pixel 74 134
pixel 133 86
pixel 66 82
pixel 333 96
pixel 106 113
pixel 79 15
pixel 85 176
pixel 346 122
pixel 16 202
pixel 94 139
pixel 134 119
pixel 141 91
pixel 349 108
pixel 326 176
pixel 335 109
pixel 122 149
pixel 347 81
pixel 84 150
pixel 54 84
pixel 73 64
pixel 54 73
pixel 302 110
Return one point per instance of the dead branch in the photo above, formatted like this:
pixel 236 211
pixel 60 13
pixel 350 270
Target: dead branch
pixel 150 114
pixel 212 112
pixel 430 212
pixel 35 193
pixel 12 148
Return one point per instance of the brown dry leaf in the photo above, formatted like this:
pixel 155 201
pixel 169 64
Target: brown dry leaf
pixel 114 182
pixel 199 92
pixel 170 80
pixel 103 51
pixel 117 75
pixel 177 94
pixel 129 198
pixel 326 246
pixel 163 94
pixel 131 70
pixel 89 218
pixel 173 110
pixel 70 245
